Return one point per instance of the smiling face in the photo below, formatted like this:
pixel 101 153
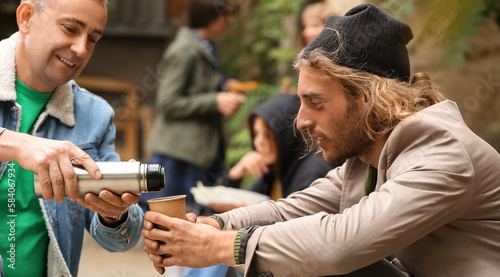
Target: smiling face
pixel 329 117
pixel 264 141
pixel 55 44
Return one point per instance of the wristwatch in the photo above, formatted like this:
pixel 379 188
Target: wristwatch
pixel 119 217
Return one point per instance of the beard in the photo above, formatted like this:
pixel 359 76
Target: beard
pixel 349 138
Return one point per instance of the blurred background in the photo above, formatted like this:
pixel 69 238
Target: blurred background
pixel 457 42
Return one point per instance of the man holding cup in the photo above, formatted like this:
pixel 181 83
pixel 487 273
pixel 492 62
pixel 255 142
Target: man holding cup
pixel 418 189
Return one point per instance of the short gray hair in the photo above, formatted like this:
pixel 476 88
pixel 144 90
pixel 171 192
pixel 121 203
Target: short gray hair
pixel 41 4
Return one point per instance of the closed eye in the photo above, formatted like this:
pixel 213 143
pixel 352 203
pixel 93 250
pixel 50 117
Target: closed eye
pixel 92 40
pixel 70 29
pixel 316 104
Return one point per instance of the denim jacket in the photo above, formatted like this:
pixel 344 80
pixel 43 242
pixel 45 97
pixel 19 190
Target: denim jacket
pixel 71 114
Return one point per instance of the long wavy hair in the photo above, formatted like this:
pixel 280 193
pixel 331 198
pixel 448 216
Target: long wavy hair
pixel 389 101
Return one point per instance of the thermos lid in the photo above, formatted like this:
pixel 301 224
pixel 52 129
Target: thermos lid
pixel 155 177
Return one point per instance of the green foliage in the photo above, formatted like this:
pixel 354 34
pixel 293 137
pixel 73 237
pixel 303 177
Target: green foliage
pixel 254 98
pixel 252 49
pixel 240 141
pixel 239 145
pixel 490 6
pixel 450 22
pixel 397 8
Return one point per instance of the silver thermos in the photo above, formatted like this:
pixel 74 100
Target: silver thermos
pixel 118 178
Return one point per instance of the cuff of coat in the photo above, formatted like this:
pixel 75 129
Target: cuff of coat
pixel 240 243
pixel 123 237
pixel 219 220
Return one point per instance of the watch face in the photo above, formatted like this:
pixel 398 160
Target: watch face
pixel 119 217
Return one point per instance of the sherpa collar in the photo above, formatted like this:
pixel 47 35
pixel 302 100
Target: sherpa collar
pixel 60 104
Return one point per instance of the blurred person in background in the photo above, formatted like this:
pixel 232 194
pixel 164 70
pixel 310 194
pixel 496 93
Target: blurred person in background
pixel 192 100
pixel 313 20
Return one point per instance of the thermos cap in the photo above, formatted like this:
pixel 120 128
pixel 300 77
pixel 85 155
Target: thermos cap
pixel 155 177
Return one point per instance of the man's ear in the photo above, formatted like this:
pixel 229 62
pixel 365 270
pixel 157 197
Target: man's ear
pixel 24 15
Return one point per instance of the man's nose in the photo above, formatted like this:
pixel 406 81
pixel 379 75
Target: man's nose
pixel 303 121
pixel 79 46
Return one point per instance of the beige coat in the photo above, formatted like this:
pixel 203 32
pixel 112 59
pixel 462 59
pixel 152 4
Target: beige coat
pixel 436 207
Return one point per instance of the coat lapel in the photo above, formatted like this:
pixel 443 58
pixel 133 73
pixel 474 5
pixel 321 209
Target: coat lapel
pixel 190 39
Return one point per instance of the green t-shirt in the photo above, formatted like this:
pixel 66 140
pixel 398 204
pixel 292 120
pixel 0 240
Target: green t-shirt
pixel 24 237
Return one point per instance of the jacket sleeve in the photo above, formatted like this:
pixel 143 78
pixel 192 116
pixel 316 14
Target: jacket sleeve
pixel 427 186
pixel 176 74
pixel 121 238
pixel 126 235
pixel 322 195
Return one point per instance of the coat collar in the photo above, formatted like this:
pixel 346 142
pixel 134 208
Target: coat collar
pixel 187 37
pixel 60 104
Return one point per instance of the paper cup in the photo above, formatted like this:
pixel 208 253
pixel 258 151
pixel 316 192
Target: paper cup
pixel 173 206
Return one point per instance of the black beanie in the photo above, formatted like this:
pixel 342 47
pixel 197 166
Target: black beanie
pixel 368 39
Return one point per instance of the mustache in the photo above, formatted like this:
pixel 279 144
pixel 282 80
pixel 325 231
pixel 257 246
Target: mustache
pixel 313 133
pixel 310 145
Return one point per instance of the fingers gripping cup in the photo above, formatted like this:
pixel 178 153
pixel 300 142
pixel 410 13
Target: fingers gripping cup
pixel 173 206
